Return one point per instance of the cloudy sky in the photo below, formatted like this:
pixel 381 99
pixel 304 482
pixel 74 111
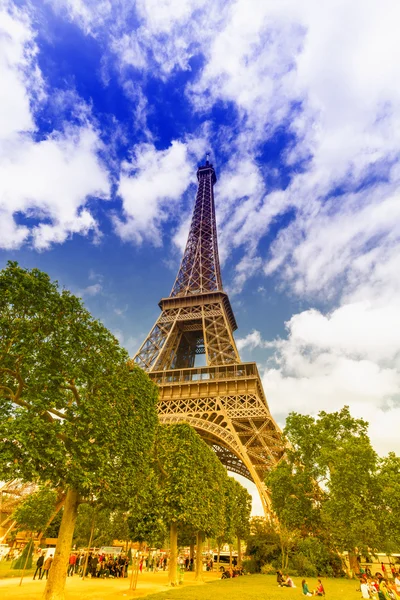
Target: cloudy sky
pixel 108 106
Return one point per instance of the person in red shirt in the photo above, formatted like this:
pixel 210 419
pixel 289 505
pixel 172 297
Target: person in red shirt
pixel 71 564
pixel 320 589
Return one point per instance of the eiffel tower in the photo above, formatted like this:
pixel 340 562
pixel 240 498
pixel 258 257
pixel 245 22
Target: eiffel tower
pixel 224 401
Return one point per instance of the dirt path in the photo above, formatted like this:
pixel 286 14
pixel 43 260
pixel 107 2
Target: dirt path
pixel 96 589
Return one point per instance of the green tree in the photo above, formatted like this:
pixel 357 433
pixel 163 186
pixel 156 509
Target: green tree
pixel 190 480
pixel 145 519
pixel 263 544
pixel 35 511
pixel 24 560
pixel 75 412
pixel 328 486
pixel 241 516
pixel 389 485
pixel 296 496
pixel 102 524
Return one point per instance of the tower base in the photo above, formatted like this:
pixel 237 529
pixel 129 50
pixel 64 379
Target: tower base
pixel 227 407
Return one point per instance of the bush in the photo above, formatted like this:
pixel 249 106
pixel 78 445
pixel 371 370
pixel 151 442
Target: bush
pixel 303 566
pixel 250 566
pixel 268 569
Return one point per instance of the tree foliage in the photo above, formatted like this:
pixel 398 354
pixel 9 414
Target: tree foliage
pixel 104 524
pixel 75 412
pixel 35 511
pixel 191 477
pixel 193 484
pixel 334 488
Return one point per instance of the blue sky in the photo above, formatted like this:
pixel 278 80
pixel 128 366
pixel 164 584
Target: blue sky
pixel 106 109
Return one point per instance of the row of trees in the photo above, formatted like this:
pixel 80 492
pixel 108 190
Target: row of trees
pixel 77 416
pixel 333 493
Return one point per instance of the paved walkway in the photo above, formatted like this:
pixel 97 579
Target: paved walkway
pixel 96 589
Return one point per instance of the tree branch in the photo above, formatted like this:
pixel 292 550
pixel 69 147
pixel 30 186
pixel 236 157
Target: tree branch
pixel 73 389
pixel 7 389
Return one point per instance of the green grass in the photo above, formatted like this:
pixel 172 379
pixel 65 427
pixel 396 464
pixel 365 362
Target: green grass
pixel 6 570
pixel 259 587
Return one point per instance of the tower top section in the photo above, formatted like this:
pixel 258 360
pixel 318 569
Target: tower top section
pixel 205 170
pixel 200 270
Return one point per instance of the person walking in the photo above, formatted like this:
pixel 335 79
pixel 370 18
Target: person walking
pixel 39 565
pixel 46 566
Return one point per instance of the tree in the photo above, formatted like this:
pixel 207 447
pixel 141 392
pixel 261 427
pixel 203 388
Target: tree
pixel 24 560
pixel 32 515
pixel 75 412
pixel 389 485
pixel 328 486
pixel 104 524
pixel 35 511
pixel 145 522
pixel 241 515
pixel 296 496
pixel 190 476
pixel 263 544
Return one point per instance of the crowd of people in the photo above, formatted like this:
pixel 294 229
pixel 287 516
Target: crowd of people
pixel 230 572
pixel 101 565
pixel 95 565
pixel 379 587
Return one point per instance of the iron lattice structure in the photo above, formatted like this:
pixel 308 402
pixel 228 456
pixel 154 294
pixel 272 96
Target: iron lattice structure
pixel 224 401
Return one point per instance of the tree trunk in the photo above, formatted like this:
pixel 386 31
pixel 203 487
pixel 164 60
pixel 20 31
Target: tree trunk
pixel 191 555
pixel 85 564
pixel 173 558
pixel 199 557
pixel 239 553
pixel 219 554
pixel 55 585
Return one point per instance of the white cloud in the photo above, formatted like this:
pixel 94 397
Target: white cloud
pixel 89 14
pixel 19 74
pixel 48 180
pixel 349 357
pixel 92 290
pixel 151 185
pixel 251 340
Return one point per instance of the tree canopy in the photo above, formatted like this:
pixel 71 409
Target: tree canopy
pixel 35 511
pixel 333 486
pixel 75 411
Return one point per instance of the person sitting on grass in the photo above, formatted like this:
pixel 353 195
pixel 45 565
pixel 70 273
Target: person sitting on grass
pixel 279 578
pixel 306 591
pixel 320 589
pixel 364 588
pixel 225 574
pixel 287 581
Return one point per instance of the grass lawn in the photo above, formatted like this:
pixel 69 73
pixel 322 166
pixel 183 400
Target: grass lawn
pixel 7 571
pixel 259 587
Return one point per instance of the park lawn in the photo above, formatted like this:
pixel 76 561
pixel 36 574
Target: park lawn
pixel 6 570
pixel 259 587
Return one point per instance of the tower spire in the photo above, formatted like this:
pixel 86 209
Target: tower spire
pixel 200 270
